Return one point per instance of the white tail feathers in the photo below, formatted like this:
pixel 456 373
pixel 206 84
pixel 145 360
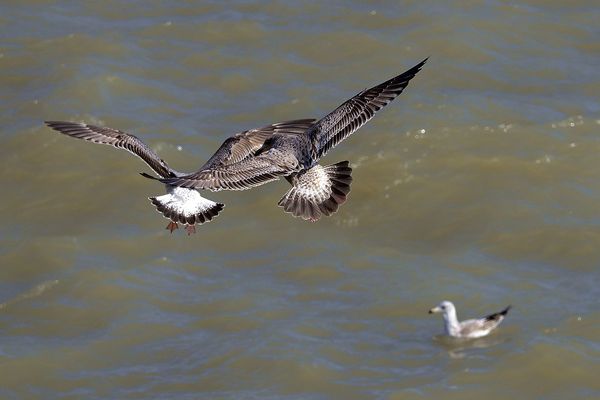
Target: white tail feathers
pixel 186 206
pixel 318 191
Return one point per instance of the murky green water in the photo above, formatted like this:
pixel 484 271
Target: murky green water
pixel 480 184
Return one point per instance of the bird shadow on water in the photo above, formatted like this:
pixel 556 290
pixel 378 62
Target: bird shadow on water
pixel 458 348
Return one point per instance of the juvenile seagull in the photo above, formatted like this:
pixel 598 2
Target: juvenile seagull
pixel 470 328
pixel 182 205
pixel 257 156
pixel 316 190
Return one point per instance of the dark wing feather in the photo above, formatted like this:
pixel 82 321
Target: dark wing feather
pixel 235 165
pixel 497 316
pixel 246 174
pixel 115 138
pixel 354 113
pixel 243 145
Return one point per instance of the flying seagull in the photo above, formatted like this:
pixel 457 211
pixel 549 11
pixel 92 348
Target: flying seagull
pixel 179 204
pixel 470 328
pixel 316 190
pixel 252 158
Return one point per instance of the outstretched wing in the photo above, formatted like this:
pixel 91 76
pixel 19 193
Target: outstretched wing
pixel 354 113
pixel 234 166
pixel 246 174
pixel 243 145
pixel 115 138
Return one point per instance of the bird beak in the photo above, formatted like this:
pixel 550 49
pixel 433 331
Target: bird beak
pixel 434 310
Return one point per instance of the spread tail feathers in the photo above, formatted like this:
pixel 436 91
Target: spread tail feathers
pixel 318 191
pixel 186 206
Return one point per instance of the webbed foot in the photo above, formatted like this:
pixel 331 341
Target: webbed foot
pixel 190 229
pixel 172 226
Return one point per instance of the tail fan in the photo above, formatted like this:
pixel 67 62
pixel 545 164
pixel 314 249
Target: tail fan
pixel 318 191
pixel 186 206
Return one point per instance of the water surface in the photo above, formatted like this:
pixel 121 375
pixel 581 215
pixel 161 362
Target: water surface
pixel 480 184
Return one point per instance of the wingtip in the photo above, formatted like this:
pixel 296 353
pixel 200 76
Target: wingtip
pixel 145 175
pixel 59 125
pixel 55 122
pixel 422 63
pixel 414 70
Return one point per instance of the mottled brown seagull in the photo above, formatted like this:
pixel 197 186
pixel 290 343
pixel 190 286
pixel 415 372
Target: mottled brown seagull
pixel 316 190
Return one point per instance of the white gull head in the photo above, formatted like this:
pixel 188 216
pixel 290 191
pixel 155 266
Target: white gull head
pixel 451 324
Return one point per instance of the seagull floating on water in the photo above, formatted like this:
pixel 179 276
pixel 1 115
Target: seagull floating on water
pixel 252 158
pixel 470 328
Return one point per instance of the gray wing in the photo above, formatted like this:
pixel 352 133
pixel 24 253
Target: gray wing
pixel 115 138
pixel 471 326
pixel 354 113
pixel 235 165
pixel 486 323
pixel 244 144
pixel 246 174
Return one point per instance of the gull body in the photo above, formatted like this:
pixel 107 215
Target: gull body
pixel 470 328
pixel 252 158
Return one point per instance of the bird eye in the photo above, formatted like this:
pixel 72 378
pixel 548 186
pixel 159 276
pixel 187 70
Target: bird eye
pixel 443 307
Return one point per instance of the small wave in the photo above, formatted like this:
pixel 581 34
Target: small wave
pixel 33 292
